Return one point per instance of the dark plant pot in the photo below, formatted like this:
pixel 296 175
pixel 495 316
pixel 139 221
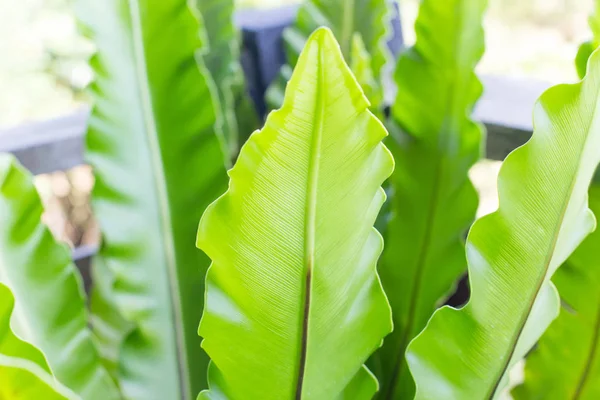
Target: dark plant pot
pixel 262 46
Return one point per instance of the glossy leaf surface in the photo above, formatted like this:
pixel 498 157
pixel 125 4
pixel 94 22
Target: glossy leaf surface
pixel 370 19
pixel 222 58
pixel 158 163
pixel 566 362
pixel 513 252
pixel 434 202
pixel 294 305
pixel 49 308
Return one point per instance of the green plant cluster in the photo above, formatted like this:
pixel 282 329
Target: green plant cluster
pixel 296 294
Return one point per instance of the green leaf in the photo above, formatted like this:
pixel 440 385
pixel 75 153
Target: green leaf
pixel 433 202
pixel 24 380
pixel 50 308
pixel 566 362
pixel 513 252
pixel 110 327
pixel 583 55
pixel 24 372
pixel 222 58
pixel 369 18
pixel 587 48
pixel 361 68
pixel 294 305
pixel 10 344
pixel 158 163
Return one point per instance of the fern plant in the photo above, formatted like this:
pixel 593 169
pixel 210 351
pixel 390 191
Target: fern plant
pixel 46 347
pixel 435 143
pixel 566 361
pixel 297 231
pixel 362 28
pixel 154 144
pixel 292 306
pixel 221 54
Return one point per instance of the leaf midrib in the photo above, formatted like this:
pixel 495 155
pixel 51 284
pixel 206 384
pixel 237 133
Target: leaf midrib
pixel 161 192
pixel 310 221
pixel 434 205
pixel 542 277
pixel 416 287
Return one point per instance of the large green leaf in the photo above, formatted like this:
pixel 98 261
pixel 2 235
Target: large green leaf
pixel 222 58
pixel 566 362
pixel 24 380
pixel 50 306
pixel 513 252
pixel 294 305
pixel 158 164
pixel 433 201
pixel 370 19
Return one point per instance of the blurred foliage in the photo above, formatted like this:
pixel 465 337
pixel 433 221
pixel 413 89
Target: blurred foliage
pixel 43 69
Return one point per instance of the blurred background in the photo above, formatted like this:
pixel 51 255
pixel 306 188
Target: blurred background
pixel 43 72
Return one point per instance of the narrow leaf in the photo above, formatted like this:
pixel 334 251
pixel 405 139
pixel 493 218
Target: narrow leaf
pixel 513 252
pixel 433 202
pixel 566 362
pixel 50 306
pixel 294 305
pixel 158 164
pixel 222 58
pixel 346 18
